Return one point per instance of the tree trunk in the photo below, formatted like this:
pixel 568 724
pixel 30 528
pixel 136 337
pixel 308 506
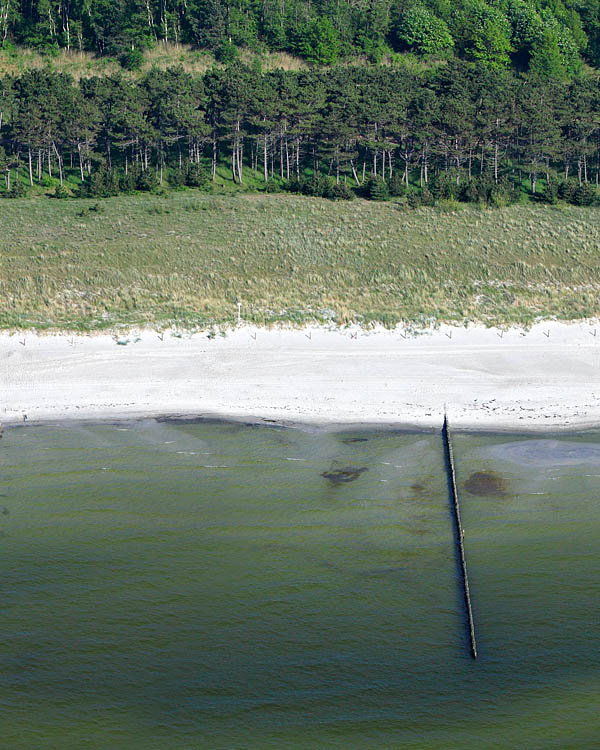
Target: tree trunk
pixel 233 161
pixel 265 160
pixel 281 157
pixel 30 168
pixel 80 161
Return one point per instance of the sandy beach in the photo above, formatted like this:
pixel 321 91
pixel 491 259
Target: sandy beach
pixel 544 378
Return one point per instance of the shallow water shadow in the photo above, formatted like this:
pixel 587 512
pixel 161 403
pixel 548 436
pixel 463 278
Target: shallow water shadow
pixel 485 484
pixel 343 474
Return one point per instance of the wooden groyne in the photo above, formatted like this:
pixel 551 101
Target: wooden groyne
pixel 460 544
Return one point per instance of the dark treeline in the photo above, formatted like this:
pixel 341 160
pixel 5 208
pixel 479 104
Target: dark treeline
pixel 373 129
pixel 547 36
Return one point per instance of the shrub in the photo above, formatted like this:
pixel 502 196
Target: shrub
pixel 293 185
pixel 550 193
pixel 177 177
pixel 483 189
pixel 273 186
pixel 396 185
pixel 102 184
pixel 226 52
pixel 17 190
pixel 127 182
pixel 444 187
pixel 376 189
pixel 413 199
pixel 342 192
pixel 61 192
pixel 503 193
pixel 133 59
pixel 427 197
pixel 585 195
pixel 197 176
pixel 566 190
pixel 146 180
pixel 318 186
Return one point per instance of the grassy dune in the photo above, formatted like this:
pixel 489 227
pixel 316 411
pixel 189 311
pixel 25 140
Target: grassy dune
pixel 185 258
pixel 86 64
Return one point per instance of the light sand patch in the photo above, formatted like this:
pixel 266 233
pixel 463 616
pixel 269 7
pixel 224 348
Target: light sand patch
pixel 545 378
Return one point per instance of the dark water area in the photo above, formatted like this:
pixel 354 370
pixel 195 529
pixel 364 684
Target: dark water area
pixel 210 586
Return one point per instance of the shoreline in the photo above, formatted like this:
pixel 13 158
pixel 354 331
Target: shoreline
pixel 546 379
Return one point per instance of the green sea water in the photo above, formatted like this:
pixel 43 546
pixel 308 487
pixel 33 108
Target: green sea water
pixel 202 585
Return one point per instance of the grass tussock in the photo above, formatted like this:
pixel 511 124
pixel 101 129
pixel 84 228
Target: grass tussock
pixel 185 259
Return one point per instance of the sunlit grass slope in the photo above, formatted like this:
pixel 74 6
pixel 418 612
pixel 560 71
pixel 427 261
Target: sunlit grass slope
pixel 185 258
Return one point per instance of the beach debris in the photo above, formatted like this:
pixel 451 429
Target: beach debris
pixel 343 474
pixel 485 484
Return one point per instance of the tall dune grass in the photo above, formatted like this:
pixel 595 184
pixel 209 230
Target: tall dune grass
pixel 185 258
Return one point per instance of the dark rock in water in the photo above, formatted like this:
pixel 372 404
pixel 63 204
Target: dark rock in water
pixel 347 441
pixel 485 484
pixel 345 474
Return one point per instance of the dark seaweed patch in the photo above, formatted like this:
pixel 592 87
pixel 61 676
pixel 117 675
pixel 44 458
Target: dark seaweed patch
pixel 343 474
pixel 485 484
pixel 349 440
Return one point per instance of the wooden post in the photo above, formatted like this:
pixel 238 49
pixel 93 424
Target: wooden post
pixel 453 492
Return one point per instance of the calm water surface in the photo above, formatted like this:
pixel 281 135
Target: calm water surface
pixel 203 586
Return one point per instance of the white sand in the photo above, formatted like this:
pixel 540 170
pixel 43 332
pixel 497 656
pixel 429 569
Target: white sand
pixel 546 378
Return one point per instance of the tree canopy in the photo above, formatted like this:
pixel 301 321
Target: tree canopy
pixel 551 37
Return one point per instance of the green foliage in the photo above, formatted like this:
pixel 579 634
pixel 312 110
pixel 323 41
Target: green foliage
pixel 566 190
pixel 585 195
pixel 226 52
pixel 318 42
pixel 550 193
pixel 273 186
pixel 483 189
pixel 376 189
pixel 318 186
pixel 485 34
pixel 128 182
pixel 444 186
pixel 496 33
pixel 420 31
pixel 17 190
pixel 133 59
pixel 61 192
pixel 177 177
pixel 396 184
pixel 197 176
pixel 146 180
pixel 342 192
pixel 102 184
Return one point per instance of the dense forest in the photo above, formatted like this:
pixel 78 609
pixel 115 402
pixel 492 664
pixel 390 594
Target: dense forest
pixel 545 36
pixel 452 132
